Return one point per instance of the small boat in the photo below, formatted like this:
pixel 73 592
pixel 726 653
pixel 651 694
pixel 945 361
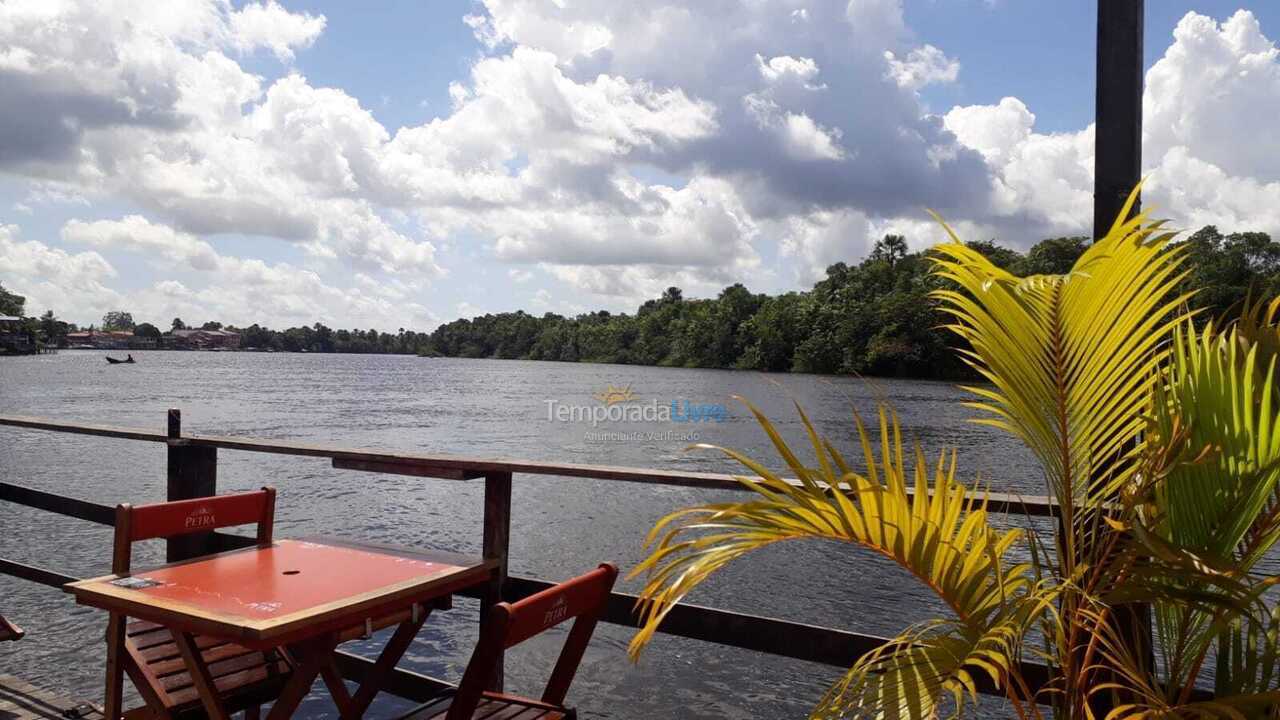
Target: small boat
pixel 117 361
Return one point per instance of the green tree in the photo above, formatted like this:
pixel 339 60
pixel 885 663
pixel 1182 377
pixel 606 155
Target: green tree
pixel 1054 256
pixel 11 303
pixel 53 330
pixel 1228 268
pixel 1000 255
pixel 117 320
pixel 177 324
pixel 147 330
pixel 773 333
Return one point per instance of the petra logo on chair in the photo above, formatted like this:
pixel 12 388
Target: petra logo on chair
pixel 556 613
pixel 200 517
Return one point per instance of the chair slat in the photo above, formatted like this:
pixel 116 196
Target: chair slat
pixel 234 682
pixel 181 517
pixel 155 646
pixel 217 668
pixel 218 653
pixel 140 627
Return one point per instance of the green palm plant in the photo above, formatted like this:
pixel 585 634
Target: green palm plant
pixel 1160 444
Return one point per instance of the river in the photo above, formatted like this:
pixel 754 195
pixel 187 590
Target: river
pixel 485 408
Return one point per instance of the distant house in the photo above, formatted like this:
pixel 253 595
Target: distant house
pixel 202 340
pixel 109 340
pixel 83 339
pixel 13 339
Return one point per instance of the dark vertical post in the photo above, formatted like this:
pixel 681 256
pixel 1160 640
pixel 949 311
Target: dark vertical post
pixel 497 543
pixel 1117 169
pixel 1117 164
pixel 192 473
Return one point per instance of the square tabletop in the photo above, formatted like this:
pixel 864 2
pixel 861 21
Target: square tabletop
pixel 264 596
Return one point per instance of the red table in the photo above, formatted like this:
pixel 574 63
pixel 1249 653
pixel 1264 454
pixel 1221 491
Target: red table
pixel 305 595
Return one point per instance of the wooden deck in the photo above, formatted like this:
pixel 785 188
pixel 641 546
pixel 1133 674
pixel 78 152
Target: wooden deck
pixel 20 700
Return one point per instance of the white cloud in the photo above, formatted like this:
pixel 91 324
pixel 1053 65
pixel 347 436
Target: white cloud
pixel 237 290
pixel 1043 181
pixel 783 67
pixel 623 287
pixel 135 233
pixel 618 147
pixel 271 26
pixel 1216 92
pixel 53 279
pixel 1218 83
pixel 923 66
pixel 467 310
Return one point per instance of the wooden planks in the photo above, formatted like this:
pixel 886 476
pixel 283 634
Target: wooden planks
pixel 20 700
pixel 492 707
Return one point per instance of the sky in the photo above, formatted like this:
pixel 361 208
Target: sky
pixel 398 164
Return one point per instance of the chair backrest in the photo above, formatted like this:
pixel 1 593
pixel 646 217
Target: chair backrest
pixel 508 624
pixel 183 517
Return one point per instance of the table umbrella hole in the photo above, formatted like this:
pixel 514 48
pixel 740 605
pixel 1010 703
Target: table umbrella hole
pixel 291 572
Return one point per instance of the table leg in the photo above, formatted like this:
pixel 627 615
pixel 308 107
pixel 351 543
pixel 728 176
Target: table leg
pixel 311 658
pixel 113 703
pixel 337 688
pixel 387 661
pixel 200 676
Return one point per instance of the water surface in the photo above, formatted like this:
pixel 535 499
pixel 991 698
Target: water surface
pixel 482 408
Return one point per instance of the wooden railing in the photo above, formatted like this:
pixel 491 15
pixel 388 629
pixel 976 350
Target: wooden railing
pixel 192 472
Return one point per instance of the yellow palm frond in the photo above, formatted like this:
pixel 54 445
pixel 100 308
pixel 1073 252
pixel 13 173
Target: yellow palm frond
pixel 1071 359
pixel 922 518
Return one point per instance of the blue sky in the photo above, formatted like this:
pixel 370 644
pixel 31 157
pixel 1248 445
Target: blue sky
pixel 398 164
pixel 1041 52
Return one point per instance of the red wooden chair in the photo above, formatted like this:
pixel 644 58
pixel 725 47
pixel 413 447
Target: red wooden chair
pixel 583 597
pixel 151 655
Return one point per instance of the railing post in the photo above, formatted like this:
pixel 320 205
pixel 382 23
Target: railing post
pixel 497 542
pixel 192 473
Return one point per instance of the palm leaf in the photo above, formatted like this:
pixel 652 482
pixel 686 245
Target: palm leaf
pixel 1071 359
pixel 920 517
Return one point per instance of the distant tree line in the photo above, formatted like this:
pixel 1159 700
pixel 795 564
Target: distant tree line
pixel 873 318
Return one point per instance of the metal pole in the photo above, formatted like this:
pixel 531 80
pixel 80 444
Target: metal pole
pixel 1117 164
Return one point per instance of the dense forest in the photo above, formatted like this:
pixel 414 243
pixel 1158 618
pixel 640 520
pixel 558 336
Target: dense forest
pixel 872 318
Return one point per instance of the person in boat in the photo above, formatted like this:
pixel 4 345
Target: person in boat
pixel 129 358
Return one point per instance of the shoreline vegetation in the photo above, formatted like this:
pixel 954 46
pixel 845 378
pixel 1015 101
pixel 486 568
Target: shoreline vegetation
pixel 874 318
